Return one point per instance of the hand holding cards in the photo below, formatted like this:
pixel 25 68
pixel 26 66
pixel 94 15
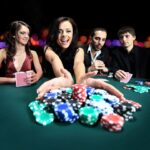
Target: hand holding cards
pixel 22 78
pixel 127 79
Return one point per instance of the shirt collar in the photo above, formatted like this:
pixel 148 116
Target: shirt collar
pixel 90 49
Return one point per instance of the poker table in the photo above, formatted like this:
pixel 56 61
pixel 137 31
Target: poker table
pixel 19 131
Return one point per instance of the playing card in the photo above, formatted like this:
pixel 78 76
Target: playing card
pixel 127 79
pixel 21 78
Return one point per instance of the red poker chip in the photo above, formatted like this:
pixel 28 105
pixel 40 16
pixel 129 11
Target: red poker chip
pixel 112 122
pixel 113 119
pixel 135 104
pixel 79 92
pixel 147 83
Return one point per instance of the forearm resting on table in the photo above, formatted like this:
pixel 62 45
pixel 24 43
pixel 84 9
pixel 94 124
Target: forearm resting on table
pixel 7 80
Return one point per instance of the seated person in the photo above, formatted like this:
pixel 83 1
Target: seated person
pixel 96 55
pixel 17 56
pixel 128 57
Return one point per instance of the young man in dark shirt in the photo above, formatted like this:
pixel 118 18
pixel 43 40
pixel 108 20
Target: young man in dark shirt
pixel 128 57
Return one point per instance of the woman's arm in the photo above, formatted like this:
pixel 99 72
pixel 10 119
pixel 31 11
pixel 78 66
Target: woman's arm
pixel 79 67
pixel 4 79
pixel 37 75
pixel 64 81
pixel 55 61
pixel 98 83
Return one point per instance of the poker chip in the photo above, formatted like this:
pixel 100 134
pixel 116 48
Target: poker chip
pixel 96 97
pixel 36 106
pixel 90 90
pixel 138 88
pixel 88 115
pixel 147 83
pixel 79 92
pixel 65 113
pixel 126 110
pixel 75 104
pixel 41 116
pixel 112 122
pixel 139 82
pixel 50 95
pixel 135 104
pixel 44 118
pixel 67 90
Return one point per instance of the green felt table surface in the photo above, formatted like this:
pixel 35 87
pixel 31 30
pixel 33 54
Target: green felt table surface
pixel 19 131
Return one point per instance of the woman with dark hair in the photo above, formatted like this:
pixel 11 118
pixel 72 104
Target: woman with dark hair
pixel 62 52
pixel 17 56
pixel 61 44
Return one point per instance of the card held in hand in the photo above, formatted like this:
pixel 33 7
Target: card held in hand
pixel 127 79
pixel 21 79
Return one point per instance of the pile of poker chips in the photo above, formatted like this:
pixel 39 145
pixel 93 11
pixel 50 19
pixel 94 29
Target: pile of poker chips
pixel 147 83
pixel 41 116
pixel 126 110
pixel 137 88
pixel 87 104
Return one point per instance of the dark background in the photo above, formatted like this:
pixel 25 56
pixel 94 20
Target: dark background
pixel 87 14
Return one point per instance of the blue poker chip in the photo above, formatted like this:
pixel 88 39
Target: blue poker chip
pixel 90 90
pixel 65 113
pixel 139 82
pixel 50 95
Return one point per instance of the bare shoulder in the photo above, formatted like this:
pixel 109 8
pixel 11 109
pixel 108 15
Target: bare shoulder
pixel 80 51
pixel 48 49
pixel 3 53
pixel 49 52
pixel 33 52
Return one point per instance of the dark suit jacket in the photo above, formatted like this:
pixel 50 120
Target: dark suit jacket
pixel 104 56
pixel 120 61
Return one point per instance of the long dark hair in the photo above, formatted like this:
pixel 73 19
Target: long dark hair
pixel 10 40
pixel 53 35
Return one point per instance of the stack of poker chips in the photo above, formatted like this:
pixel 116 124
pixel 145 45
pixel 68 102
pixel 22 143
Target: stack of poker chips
pixel 88 115
pixel 75 104
pixel 41 116
pixel 147 83
pixel 112 122
pixel 137 88
pixel 101 105
pixel 126 110
pixel 79 92
pixel 135 104
pixel 65 112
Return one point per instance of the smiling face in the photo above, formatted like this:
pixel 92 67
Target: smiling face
pixel 22 36
pixel 65 34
